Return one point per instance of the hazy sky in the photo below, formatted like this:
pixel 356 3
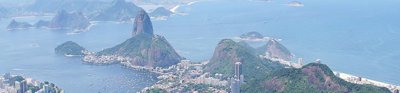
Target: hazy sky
pixel 24 2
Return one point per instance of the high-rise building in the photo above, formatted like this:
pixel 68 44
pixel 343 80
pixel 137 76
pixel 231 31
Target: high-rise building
pixel 396 91
pixel 23 86
pixel 237 78
pixel 300 61
pixel 235 85
pixel 17 86
pixel 7 76
pixel 238 70
pixel 46 88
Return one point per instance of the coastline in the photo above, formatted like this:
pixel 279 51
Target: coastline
pixel 347 77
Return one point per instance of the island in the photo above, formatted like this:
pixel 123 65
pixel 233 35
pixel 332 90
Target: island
pixel 19 84
pixel 70 48
pixel 62 20
pixel 161 13
pixel 120 11
pixel 65 20
pixel 14 25
pixel 253 37
pixel 295 4
pixel 144 48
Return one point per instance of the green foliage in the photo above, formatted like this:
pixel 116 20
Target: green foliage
pixel 297 81
pixel 228 52
pixel 69 48
pixel 15 78
pixel 156 90
pixel 202 88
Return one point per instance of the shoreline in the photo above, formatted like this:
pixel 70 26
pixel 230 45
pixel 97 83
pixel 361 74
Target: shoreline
pixel 166 72
pixel 347 77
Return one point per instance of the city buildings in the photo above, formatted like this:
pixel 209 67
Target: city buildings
pixel 396 91
pixel 238 70
pixel 237 78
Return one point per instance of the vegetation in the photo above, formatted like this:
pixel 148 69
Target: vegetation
pixel 228 52
pixel 69 48
pixel 146 50
pixel 312 78
pixel 197 87
pixel 263 76
pixel 156 90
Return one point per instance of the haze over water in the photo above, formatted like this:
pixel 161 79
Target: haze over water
pixel 355 37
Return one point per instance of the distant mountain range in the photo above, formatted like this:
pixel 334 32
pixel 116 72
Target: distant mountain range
pixel 62 20
pixel 120 10
pixel 52 6
pixel 65 20
pixel 14 25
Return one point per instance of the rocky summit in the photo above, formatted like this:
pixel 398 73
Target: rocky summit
pixel 228 52
pixel 142 24
pixel 274 49
pixel 144 48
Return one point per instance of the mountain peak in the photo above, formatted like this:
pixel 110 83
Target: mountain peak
pixel 276 50
pixel 142 24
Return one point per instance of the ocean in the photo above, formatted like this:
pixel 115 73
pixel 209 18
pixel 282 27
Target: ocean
pixel 355 37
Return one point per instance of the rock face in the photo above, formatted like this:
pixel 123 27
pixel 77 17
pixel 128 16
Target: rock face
pixel 18 25
pixel 161 11
pixel 65 20
pixel 228 52
pixel 144 48
pixel 119 11
pixel 311 78
pixel 142 24
pixel 70 48
pixel 274 49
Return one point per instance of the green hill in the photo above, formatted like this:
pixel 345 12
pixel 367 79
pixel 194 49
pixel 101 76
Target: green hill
pixel 69 48
pixel 311 78
pixel 228 52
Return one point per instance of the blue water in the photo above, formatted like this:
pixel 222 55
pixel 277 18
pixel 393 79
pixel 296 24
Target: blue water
pixel 31 53
pixel 356 37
